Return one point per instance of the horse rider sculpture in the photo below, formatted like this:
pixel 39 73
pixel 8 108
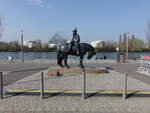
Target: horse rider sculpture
pixel 75 41
pixel 74 48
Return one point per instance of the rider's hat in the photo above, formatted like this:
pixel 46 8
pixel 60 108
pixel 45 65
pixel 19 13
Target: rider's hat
pixel 75 30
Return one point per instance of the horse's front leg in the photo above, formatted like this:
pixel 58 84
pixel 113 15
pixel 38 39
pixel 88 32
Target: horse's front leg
pixel 81 62
pixel 65 61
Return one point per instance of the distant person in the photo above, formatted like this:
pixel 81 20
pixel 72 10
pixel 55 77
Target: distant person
pixel 75 41
pixel 105 57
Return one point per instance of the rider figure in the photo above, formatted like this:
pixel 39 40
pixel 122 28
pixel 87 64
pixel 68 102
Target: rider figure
pixel 75 40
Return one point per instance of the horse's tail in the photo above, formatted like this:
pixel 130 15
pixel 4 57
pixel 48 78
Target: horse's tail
pixel 59 56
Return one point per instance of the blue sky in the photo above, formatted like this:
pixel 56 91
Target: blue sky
pixel 95 19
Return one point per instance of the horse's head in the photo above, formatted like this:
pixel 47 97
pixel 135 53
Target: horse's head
pixel 91 54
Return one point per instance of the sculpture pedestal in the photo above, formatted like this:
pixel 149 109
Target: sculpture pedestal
pixel 57 71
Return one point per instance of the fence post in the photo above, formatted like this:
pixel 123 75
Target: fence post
pixel 125 86
pixel 42 85
pixel 1 85
pixel 84 83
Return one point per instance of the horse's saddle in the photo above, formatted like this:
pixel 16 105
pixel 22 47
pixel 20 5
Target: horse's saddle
pixel 72 47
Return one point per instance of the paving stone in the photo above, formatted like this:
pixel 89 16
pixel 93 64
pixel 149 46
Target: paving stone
pixel 75 104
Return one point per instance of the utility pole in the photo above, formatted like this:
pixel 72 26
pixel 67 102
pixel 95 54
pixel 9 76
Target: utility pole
pixel 22 55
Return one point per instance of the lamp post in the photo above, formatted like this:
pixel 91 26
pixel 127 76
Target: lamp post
pixel 117 49
pixel 22 55
pixel 127 46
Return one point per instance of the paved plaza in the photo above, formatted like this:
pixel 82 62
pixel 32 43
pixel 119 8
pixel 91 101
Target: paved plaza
pixel 57 103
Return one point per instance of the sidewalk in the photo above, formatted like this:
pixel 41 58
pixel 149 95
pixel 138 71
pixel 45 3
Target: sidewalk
pixel 56 103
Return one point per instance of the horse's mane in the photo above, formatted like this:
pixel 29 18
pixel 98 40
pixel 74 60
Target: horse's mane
pixel 88 45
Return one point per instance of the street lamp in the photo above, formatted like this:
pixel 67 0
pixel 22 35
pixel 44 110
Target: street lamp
pixel 127 46
pixel 117 49
pixel 22 56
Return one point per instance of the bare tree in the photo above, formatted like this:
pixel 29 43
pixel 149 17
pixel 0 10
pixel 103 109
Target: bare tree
pixel 1 28
pixel 58 38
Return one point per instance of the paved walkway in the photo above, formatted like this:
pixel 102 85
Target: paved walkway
pixel 18 78
pixel 19 71
pixel 65 104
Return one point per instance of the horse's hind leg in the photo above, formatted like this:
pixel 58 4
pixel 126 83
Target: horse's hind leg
pixel 65 61
pixel 61 65
pixel 59 59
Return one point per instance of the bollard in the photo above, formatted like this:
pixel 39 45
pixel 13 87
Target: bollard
pixel 125 86
pixel 1 84
pixel 84 83
pixel 42 85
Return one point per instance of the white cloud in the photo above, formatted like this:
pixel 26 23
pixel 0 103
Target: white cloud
pixel 37 2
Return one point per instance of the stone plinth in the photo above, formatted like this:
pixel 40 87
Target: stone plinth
pixel 57 71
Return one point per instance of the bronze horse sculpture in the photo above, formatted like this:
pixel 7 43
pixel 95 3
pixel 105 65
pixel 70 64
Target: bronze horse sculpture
pixel 63 51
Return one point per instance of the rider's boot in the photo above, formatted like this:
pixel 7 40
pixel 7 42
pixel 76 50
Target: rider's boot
pixel 70 49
